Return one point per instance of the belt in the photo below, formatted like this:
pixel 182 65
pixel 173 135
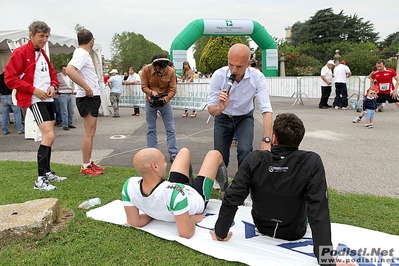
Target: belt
pixel 231 116
pixel 225 116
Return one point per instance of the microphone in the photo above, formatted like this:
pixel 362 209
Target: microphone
pixel 230 83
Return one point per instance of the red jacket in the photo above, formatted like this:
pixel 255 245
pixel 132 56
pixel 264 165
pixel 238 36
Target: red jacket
pixel 22 61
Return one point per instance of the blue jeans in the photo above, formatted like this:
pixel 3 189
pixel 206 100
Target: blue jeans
pixel 169 123
pixel 66 107
pixel 227 127
pixel 57 108
pixel 6 101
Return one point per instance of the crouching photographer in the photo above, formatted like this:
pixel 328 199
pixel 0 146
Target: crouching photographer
pixel 158 82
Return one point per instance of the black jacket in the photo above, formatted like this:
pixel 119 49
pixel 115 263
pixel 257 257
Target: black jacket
pixel 287 186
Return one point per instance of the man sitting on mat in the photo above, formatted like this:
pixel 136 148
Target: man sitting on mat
pixel 288 188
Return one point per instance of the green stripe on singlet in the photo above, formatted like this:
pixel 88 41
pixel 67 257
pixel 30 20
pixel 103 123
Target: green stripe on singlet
pixel 180 205
pixel 125 195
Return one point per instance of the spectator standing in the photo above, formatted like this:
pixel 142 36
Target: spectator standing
pixel 30 72
pixel 187 76
pixel 125 76
pixel 7 106
pixel 82 72
pixel 115 83
pixel 234 112
pixel 326 83
pixel 133 78
pixel 158 79
pixel 65 98
pixel 341 73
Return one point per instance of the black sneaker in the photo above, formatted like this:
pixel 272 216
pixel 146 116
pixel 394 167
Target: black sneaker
pixel 222 177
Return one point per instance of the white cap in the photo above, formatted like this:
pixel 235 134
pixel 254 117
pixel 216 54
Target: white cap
pixel 114 71
pixel 330 62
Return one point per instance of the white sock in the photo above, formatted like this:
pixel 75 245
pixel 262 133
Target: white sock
pixel 85 165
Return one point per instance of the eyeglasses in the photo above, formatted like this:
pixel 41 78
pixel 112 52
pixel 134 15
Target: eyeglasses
pixel 372 93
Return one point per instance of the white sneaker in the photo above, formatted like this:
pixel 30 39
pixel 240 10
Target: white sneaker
pixel 44 184
pixel 356 120
pixel 370 125
pixel 336 107
pixel 52 177
pixel 344 108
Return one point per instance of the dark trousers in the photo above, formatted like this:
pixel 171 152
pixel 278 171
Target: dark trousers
pixel 341 95
pixel 325 94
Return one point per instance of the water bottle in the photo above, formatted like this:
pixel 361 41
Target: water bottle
pixel 89 203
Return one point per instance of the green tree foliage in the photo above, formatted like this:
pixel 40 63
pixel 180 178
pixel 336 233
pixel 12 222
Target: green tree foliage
pixel 198 47
pixel 58 60
pixel 200 44
pixel 214 55
pixel 391 39
pixel 79 27
pixel 326 26
pixel 132 49
pixel 298 64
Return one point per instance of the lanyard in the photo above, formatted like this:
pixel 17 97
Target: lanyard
pixel 34 63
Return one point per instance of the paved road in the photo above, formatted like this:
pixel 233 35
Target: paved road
pixel 354 157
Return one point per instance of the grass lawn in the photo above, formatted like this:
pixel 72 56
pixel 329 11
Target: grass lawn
pixel 84 241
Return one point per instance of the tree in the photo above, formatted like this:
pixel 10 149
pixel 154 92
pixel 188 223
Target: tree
pixel 391 39
pixel 355 30
pixel 214 55
pixel 326 27
pixel 58 60
pixel 199 46
pixel 132 49
pixel 79 27
pixel 298 31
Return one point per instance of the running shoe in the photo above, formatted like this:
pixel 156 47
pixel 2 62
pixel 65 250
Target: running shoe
pixel 89 171
pixel 52 177
pixel 357 120
pixel 44 184
pixel 96 167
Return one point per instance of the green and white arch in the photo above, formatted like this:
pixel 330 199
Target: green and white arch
pixel 223 27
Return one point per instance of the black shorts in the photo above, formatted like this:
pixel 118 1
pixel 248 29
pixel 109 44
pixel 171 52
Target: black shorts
pixel 382 98
pixel 42 111
pixel 199 184
pixel 88 105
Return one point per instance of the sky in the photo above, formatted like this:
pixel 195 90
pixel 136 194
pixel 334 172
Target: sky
pixel 161 21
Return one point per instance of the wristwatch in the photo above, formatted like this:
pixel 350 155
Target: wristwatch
pixel 266 139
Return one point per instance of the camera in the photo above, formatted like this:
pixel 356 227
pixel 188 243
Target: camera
pixel 156 102
pixel 254 63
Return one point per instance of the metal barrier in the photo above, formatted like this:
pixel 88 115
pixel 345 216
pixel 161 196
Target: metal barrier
pixel 194 96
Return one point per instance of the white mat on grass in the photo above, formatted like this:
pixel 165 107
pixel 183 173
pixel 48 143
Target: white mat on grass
pixel 248 246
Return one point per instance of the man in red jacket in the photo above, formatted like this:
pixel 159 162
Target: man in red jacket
pixel 30 72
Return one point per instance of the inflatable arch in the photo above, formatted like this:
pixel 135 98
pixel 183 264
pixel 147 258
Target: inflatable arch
pixel 222 27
